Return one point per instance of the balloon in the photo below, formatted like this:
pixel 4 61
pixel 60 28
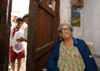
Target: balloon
pixel 18 47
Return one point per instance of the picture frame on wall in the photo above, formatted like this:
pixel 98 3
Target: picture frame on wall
pixel 75 19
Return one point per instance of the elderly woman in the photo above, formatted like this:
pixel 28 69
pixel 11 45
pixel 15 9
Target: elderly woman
pixel 70 54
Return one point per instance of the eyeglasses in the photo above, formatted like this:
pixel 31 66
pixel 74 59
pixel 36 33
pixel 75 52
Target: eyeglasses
pixel 65 29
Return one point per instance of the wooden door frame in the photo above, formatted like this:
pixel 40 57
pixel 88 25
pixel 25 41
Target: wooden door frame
pixel 31 44
pixel 8 21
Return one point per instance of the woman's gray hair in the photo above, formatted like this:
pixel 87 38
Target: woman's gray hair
pixel 59 28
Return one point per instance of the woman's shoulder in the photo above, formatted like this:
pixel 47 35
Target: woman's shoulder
pixel 58 43
pixel 80 40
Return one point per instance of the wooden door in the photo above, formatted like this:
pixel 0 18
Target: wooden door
pixel 5 9
pixel 42 33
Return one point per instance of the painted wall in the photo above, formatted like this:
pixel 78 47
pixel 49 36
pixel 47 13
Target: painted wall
pixel 90 21
pixel 65 11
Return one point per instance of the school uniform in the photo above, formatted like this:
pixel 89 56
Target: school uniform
pixel 12 54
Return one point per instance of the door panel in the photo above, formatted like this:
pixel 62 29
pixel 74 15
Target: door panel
pixel 42 33
pixel 46 33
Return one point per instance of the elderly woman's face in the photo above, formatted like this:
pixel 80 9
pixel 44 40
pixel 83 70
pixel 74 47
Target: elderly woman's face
pixel 65 31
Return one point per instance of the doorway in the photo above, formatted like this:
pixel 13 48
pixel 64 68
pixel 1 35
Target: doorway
pixel 42 32
pixel 19 9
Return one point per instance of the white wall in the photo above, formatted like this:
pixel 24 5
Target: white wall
pixel 90 21
pixel 65 11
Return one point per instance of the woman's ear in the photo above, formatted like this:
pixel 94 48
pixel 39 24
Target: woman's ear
pixel 60 34
pixel 72 33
